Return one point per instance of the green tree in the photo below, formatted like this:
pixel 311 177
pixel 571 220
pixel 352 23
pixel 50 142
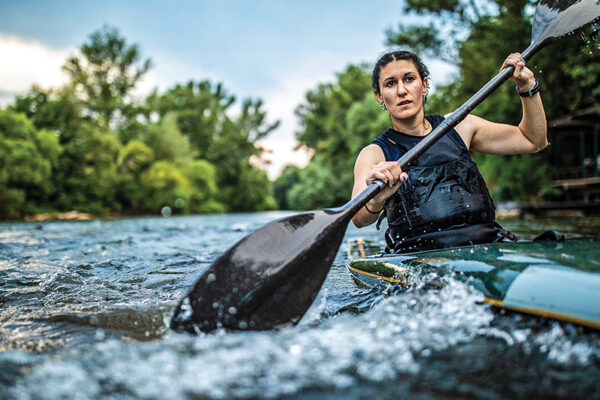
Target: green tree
pixel 252 190
pixel 200 109
pixel 319 187
pixel 53 109
pixel 199 192
pixel 134 159
pixel 289 177
pixel 28 157
pixel 203 176
pixel 88 172
pixel 163 184
pixel 85 176
pixel 104 76
pixel 167 142
pixel 222 137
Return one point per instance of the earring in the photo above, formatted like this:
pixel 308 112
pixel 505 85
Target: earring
pixel 382 106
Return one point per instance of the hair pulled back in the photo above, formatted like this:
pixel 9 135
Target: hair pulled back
pixel 397 55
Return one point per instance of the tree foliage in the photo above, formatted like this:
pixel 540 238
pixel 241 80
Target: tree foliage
pixel 104 76
pixel 202 113
pixel 91 146
pixel 27 158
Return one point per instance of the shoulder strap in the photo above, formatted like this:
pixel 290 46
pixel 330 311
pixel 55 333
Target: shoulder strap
pixel 453 135
pixel 397 138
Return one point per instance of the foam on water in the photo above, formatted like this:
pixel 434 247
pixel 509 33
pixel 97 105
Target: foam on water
pixel 340 352
pixel 95 326
pixel 391 340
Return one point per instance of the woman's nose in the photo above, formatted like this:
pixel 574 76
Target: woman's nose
pixel 401 90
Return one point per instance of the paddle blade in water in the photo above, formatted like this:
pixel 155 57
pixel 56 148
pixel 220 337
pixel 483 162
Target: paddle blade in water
pixel 556 18
pixel 269 278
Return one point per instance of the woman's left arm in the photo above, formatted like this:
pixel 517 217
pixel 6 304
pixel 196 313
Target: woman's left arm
pixel 530 136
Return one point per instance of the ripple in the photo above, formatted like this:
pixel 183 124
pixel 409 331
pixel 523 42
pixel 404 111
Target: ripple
pixel 85 310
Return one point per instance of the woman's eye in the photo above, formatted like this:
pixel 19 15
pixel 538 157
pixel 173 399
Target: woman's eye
pixel 390 83
pixel 409 79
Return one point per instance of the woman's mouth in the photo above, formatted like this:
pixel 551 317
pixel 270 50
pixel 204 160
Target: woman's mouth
pixel 404 103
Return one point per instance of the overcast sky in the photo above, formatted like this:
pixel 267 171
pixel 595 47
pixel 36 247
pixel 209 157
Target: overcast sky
pixel 273 50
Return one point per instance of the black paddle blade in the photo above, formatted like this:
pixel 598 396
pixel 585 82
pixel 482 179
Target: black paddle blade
pixel 269 278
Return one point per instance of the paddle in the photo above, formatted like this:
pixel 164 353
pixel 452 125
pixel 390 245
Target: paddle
pixel 271 277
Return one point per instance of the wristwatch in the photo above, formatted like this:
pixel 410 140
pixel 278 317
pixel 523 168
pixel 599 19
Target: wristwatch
pixel 530 92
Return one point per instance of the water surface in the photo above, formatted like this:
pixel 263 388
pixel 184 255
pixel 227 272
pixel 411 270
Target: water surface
pixel 85 308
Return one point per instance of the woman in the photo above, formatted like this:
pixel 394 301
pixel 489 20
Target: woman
pixel 441 200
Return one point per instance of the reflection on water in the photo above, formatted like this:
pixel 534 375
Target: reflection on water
pixel 85 308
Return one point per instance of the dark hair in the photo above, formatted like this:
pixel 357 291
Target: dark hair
pixel 396 56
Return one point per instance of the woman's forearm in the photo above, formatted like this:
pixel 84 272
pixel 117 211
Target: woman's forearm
pixel 534 125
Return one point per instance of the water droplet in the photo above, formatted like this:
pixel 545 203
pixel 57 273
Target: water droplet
pixel 232 310
pixel 186 309
pixel 211 278
pixel 166 211
pixel 215 305
pixel 179 203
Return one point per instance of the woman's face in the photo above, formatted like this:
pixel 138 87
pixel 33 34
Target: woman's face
pixel 401 89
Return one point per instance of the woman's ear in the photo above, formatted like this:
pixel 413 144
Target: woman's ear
pixel 425 86
pixel 378 97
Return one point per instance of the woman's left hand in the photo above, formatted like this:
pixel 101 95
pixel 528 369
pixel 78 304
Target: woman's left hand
pixel 522 76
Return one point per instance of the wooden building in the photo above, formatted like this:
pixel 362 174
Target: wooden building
pixel 574 154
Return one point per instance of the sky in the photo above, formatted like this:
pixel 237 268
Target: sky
pixel 272 50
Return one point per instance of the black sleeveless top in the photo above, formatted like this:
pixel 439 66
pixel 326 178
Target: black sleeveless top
pixel 444 202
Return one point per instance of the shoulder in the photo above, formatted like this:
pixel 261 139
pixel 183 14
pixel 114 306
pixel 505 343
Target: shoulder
pixel 369 156
pixel 372 151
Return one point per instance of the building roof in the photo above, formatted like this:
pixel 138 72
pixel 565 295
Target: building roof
pixel 587 117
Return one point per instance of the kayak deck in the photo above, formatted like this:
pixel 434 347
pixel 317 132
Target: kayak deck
pixel 559 280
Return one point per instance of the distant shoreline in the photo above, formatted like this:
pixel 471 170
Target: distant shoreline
pixel 61 216
pixel 505 210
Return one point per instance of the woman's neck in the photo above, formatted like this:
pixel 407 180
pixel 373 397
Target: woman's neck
pixel 416 126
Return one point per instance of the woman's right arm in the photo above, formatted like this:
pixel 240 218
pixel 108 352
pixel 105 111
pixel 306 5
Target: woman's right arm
pixel 371 165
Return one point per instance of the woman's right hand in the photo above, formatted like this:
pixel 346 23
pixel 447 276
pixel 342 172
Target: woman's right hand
pixel 371 165
pixel 390 173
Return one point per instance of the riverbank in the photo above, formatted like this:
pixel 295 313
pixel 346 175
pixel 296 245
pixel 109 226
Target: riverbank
pixel 504 210
pixel 68 216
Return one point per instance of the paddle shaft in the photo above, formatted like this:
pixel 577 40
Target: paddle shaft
pixel 446 126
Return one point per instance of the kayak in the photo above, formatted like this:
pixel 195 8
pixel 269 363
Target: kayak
pixel 553 279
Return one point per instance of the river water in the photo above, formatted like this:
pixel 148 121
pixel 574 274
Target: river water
pixel 85 308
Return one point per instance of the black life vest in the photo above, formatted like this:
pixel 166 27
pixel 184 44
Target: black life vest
pixel 444 203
